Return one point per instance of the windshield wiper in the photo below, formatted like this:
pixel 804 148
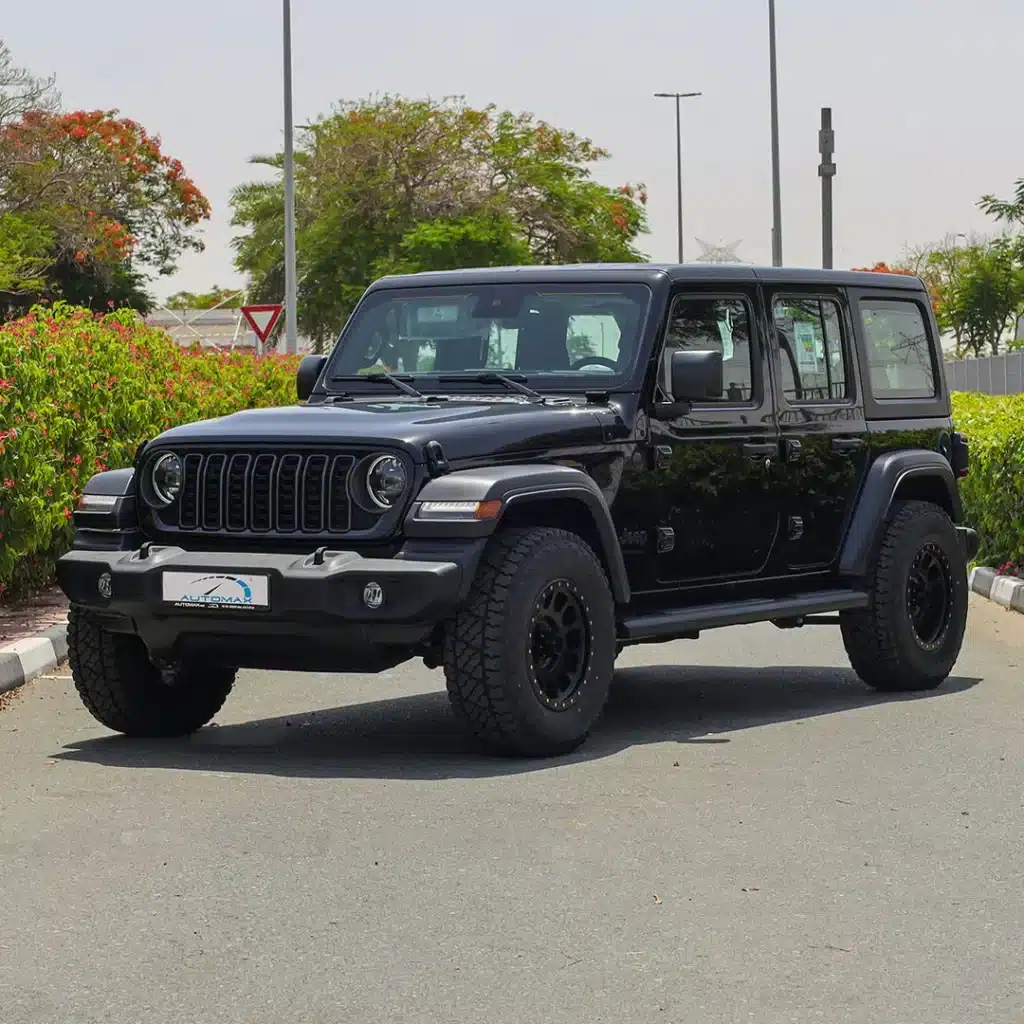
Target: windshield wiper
pixel 375 378
pixel 512 383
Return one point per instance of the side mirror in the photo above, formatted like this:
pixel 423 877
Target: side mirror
pixel 309 373
pixel 694 376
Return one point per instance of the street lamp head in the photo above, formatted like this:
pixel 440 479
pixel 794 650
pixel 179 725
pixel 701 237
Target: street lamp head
pixel 677 96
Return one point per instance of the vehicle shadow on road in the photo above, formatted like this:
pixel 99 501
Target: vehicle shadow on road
pixel 418 737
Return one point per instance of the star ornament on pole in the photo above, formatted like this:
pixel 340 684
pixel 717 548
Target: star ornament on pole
pixel 711 253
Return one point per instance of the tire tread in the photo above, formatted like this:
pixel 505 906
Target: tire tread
pixel 871 643
pixel 120 687
pixel 473 639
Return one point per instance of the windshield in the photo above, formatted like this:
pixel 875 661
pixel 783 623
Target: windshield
pixel 569 337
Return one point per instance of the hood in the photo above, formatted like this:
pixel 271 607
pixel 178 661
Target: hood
pixel 465 428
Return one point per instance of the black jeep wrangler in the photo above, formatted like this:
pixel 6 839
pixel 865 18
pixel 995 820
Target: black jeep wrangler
pixel 516 473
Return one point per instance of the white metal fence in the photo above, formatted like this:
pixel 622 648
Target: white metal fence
pixel 990 375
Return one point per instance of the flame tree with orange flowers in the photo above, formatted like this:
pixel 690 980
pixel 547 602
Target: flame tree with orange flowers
pixel 91 208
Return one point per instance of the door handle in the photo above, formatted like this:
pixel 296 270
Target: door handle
pixel 792 449
pixel 848 444
pixel 759 449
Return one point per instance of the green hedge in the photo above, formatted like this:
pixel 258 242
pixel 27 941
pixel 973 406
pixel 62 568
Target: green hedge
pixel 993 492
pixel 78 394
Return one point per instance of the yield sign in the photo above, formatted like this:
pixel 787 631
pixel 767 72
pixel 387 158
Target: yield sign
pixel 262 318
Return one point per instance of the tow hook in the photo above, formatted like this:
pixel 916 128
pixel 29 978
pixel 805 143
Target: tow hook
pixel 169 669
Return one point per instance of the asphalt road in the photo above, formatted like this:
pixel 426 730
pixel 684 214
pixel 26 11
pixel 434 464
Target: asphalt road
pixel 736 842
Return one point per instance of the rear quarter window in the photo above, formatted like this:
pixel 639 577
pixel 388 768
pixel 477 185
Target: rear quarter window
pixel 901 364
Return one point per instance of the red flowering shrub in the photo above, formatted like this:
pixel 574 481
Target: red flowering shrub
pixel 78 394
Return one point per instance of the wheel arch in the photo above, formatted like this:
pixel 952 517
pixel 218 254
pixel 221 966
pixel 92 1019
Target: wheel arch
pixel 917 475
pixel 530 495
pixel 927 486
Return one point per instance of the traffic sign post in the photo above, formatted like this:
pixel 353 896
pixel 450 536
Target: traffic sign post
pixel 262 320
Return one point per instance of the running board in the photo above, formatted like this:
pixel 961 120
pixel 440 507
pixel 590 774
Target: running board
pixel 682 622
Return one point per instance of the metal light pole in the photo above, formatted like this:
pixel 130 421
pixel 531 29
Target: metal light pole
pixel 776 186
pixel 826 171
pixel 677 96
pixel 290 288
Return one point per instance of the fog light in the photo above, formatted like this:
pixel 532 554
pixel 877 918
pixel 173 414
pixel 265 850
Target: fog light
pixel 373 595
pixel 105 585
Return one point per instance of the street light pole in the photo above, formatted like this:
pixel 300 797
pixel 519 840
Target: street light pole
pixel 827 171
pixel 677 96
pixel 290 288
pixel 776 186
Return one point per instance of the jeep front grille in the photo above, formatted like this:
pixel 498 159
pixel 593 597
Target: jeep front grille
pixel 263 492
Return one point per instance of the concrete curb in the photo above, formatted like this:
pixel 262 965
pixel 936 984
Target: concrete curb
pixel 25 659
pixel 1007 591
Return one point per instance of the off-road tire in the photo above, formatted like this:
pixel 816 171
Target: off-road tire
pixel 880 640
pixel 123 690
pixel 488 648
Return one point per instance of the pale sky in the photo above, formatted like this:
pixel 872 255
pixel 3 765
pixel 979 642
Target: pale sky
pixel 926 96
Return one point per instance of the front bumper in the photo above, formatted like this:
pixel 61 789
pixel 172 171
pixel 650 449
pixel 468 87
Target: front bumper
pixel 324 610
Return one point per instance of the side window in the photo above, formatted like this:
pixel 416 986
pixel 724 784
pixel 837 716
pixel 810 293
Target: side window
pixel 899 352
pixel 717 324
pixel 813 361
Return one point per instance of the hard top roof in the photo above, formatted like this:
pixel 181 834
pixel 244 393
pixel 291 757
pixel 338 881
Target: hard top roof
pixel 651 273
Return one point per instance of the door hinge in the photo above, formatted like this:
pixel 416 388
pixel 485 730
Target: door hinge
pixel 661 455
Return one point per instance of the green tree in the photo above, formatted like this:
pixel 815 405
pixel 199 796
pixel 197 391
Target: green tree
pixel 222 298
pixel 25 255
pixel 390 185
pixel 981 295
pixel 1007 211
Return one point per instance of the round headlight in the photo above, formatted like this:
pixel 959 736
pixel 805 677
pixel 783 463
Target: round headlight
pixel 166 478
pixel 386 480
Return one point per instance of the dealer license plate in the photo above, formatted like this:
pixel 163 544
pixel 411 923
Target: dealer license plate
pixel 216 590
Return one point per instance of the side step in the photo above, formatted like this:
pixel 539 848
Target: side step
pixel 682 622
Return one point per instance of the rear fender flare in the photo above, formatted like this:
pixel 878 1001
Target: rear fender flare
pixel 888 473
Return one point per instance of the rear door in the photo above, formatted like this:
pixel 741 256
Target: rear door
pixel 821 422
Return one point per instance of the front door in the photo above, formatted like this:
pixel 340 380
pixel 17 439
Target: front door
pixel 821 420
pixel 717 503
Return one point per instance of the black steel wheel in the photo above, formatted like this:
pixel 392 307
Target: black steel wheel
pixel 929 596
pixel 559 645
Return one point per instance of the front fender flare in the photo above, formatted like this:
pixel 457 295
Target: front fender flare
pixel 121 513
pixel 516 485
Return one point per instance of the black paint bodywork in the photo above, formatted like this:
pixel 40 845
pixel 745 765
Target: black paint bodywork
pixel 703 515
